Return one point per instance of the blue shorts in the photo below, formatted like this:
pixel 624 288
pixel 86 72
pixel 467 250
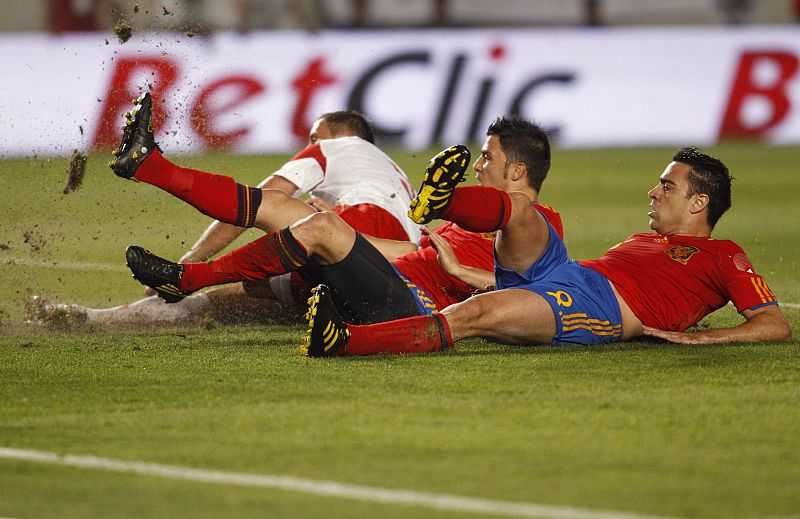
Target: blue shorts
pixel 425 304
pixel 583 303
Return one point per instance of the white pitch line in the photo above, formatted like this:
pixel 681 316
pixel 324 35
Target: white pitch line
pixel 325 488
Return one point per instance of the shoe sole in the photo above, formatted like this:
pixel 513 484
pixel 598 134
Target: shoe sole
pixel 131 128
pixel 330 335
pixel 313 304
pixel 438 184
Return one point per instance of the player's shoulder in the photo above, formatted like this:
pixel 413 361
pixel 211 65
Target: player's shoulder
pixel 344 143
pixel 646 236
pixel 730 256
pixel 721 246
pixel 351 148
pixel 315 151
pixel 545 207
pixel 547 210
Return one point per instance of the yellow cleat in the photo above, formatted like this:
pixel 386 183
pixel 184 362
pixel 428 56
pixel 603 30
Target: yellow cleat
pixel 443 173
pixel 326 334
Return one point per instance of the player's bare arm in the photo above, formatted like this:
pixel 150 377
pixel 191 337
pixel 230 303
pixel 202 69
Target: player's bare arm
pixel 763 324
pixel 216 237
pixel 391 249
pixel 474 277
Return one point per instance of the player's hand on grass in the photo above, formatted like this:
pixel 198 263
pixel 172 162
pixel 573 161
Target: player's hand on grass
pixel 676 337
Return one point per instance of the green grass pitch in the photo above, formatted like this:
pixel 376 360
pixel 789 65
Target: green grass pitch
pixel 646 428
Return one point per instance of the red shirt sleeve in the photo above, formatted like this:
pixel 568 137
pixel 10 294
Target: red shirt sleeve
pixel 746 289
pixel 313 152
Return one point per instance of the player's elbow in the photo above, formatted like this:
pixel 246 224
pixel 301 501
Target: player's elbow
pixel 770 325
pixel 785 332
pixel 778 331
pixel 781 328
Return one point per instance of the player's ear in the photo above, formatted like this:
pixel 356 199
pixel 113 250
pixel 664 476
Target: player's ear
pixel 699 203
pixel 518 171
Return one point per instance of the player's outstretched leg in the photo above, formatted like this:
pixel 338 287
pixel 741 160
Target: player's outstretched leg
pixel 218 196
pixel 327 335
pixel 161 275
pixel 442 175
pixel 138 141
pixel 56 316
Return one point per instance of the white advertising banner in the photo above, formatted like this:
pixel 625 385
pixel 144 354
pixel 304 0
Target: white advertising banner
pixel 259 92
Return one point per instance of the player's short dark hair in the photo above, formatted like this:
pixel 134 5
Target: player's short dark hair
pixel 707 176
pixel 351 123
pixel 525 142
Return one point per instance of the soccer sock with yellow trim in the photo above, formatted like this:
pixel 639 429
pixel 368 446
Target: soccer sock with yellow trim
pixel 271 255
pixel 217 196
pixel 418 334
pixel 479 208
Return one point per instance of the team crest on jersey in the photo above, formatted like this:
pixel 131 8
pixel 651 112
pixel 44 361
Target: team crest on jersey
pixel 488 235
pixel 682 253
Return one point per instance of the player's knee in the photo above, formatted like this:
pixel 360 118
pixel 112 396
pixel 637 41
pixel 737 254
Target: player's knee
pixel 325 236
pixel 316 228
pixel 322 222
pixel 466 316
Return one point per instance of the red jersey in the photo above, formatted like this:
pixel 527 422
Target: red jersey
pixel 472 249
pixel 671 282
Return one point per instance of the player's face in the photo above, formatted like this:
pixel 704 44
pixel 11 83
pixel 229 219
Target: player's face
pixel 319 131
pixel 670 207
pixel 491 168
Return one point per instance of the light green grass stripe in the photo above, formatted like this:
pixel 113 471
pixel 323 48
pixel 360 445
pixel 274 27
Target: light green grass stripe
pixel 324 488
pixel 66 265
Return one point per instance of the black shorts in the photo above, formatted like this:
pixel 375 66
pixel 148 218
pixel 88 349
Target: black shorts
pixel 365 286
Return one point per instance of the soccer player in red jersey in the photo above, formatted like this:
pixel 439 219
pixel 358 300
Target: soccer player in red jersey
pixel 375 280
pixel 343 170
pixel 656 284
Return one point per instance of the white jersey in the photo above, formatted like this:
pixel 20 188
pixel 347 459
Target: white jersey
pixel 351 171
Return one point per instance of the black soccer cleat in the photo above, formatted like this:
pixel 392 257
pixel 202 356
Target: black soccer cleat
pixel 442 175
pixel 327 335
pixel 161 275
pixel 138 141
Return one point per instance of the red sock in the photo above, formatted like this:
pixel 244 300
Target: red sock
pixel 479 208
pixel 217 196
pixel 418 334
pixel 271 255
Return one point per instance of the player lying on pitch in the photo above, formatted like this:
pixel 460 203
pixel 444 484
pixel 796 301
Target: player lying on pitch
pixel 652 284
pixel 374 279
pixel 346 173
